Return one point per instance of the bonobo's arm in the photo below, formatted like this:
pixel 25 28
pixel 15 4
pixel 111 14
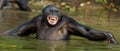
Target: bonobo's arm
pixel 77 29
pixel 84 31
pixel 23 5
pixel 24 29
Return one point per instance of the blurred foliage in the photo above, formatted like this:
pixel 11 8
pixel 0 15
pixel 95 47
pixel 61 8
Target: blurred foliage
pixel 101 1
pixel 74 5
pixel 111 5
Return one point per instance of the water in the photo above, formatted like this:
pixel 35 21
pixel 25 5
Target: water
pixel 12 18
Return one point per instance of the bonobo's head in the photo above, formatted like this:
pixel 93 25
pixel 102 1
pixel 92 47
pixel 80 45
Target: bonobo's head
pixel 51 14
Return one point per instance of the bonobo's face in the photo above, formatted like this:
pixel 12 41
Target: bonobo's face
pixel 52 14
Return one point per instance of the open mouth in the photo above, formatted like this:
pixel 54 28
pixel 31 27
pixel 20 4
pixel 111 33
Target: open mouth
pixel 52 20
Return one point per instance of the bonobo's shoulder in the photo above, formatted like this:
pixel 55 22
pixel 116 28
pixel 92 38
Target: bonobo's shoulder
pixel 37 17
pixel 67 18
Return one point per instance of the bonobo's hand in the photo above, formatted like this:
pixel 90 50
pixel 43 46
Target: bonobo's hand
pixel 110 37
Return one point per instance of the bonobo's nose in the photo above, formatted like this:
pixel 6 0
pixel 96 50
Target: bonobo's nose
pixel 53 19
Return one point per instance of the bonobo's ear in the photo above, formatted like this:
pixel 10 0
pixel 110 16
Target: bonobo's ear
pixel 110 37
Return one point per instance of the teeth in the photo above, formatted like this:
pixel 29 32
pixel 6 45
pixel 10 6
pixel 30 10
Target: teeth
pixel 53 18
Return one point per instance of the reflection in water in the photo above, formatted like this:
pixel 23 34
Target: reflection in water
pixel 0 16
pixel 44 45
pixel 25 44
pixel 10 18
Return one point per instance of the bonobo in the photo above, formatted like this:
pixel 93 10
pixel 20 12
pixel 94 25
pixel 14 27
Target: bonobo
pixel 23 4
pixel 52 25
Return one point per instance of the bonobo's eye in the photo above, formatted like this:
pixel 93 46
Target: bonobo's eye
pixel 50 10
pixel 56 11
